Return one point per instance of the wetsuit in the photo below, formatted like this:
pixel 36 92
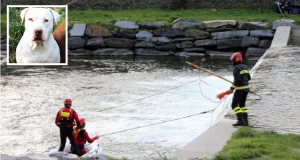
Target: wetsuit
pixel 241 85
pixel 82 137
pixel 65 121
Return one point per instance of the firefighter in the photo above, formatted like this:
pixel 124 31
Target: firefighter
pixel 83 136
pixel 65 120
pixel 240 85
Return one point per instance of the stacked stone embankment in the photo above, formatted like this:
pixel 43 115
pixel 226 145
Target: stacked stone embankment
pixel 145 4
pixel 3 58
pixel 185 38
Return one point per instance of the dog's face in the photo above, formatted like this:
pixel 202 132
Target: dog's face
pixel 39 22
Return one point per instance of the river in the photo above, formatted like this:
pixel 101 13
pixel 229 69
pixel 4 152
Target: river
pixel 32 95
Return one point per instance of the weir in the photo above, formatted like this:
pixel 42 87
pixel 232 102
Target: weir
pixel 275 77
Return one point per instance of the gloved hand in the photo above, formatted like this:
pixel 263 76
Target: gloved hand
pixel 97 137
pixel 229 91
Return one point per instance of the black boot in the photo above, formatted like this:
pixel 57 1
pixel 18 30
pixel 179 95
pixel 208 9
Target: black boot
pixel 245 116
pixel 241 120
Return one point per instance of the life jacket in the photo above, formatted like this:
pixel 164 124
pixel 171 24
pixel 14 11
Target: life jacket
pixel 66 117
pixel 80 138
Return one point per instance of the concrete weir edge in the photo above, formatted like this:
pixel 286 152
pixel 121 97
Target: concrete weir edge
pixel 210 142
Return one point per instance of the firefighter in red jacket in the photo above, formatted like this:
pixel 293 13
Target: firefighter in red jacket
pixel 65 120
pixel 83 136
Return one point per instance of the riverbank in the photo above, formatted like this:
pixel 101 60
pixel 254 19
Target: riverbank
pixel 275 79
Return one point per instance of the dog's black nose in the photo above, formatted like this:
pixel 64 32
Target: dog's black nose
pixel 38 32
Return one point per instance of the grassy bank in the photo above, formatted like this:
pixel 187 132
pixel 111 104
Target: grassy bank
pixel 3 22
pixel 248 144
pixel 102 17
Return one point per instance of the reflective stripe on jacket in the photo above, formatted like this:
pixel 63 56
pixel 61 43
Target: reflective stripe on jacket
pixel 241 78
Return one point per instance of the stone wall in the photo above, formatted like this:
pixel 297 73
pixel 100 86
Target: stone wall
pixel 186 38
pixel 142 4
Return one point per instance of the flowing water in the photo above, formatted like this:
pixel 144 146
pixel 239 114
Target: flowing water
pixel 32 95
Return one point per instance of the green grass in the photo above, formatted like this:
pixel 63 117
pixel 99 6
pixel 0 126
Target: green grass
pixel 101 17
pixel 248 144
pixel 3 22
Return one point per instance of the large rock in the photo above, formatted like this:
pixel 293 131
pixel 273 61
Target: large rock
pixel 202 37
pixel 78 30
pixel 219 23
pixel 167 47
pixel 176 40
pixel 119 43
pixel 185 44
pixel 3 41
pixel 252 25
pixel 196 33
pixel 126 25
pixel 205 42
pixel 151 25
pixel 189 54
pixel 228 43
pixel 150 52
pixel 212 30
pixel 229 34
pixel 160 39
pixel 168 33
pixel 112 52
pixel 182 24
pixel 265 43
pixel 262 33
pixel 3 47
pixel 126 33
pixel 79 52
pixel 195 54
pixel 97 31
pixel 195 49
pixel 76 42
pixel 218 53
pixel 282 22
pixel 95 43
pixel 253 51
pixel 144 34
pixel 248 41
pixel 145 44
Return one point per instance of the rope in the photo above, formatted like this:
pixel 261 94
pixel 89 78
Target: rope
pixel 147 96
pixel 157 123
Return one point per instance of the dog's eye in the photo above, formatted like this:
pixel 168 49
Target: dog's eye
pixel 46 20
pixel 30 19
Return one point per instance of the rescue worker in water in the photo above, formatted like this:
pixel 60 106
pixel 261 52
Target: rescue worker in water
pixel 83 136
pixel 65 120
pixel 241 80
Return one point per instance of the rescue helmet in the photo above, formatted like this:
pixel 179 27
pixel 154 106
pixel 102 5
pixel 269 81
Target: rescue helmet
pixel 237 56
pixel 68 101
pixel 82 122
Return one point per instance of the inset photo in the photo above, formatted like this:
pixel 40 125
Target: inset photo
pixel 37 35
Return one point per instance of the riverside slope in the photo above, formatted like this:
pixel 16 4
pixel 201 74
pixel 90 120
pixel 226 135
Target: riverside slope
pixel 275 77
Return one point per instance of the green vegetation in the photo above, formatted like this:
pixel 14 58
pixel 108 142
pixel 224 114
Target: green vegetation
pixel 16 29
pixel 248 144
pixel 104 17
pixel 3 22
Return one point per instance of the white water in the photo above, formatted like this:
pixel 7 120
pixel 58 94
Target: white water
pixel 29 105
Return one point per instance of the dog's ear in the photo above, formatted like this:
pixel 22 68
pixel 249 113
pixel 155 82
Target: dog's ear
pixel 55 15
pixel 23 13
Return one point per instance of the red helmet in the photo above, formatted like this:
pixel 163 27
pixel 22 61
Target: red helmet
pixel 82 122
pixel 68 101
pixel 237 56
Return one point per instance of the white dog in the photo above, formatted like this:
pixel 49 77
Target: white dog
pixel 37 44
